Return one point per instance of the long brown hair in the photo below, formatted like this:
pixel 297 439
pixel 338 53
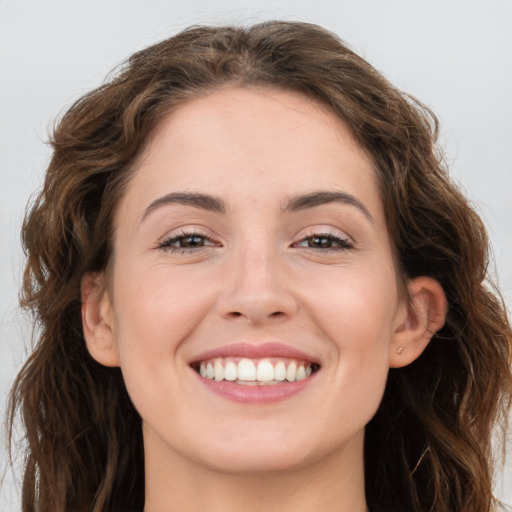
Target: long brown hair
pixel 428 448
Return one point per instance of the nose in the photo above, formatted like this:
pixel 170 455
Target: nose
pixel 257 289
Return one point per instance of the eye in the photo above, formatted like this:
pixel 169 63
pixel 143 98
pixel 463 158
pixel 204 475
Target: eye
pixel 325 241
pixel 186 242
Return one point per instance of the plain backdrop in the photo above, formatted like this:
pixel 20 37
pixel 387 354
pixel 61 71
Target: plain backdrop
pixel 454 55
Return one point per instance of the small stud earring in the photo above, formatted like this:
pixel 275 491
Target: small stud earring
pixel 399 350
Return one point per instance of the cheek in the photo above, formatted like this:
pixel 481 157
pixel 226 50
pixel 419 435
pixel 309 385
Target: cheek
pixel 357 317
pixel 154 315
pixel 357 309
pixel 155 311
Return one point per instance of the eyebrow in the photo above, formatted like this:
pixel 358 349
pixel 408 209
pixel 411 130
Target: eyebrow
pixel 202 201
pixel 322 197
pixel 294 204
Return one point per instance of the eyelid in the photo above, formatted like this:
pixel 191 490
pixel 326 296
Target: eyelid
pixel 165 242
pixel 345 241
pixel 324 230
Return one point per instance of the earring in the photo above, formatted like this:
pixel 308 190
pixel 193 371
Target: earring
pixel 399 350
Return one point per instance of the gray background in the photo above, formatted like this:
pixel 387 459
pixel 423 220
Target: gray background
pixel 454 55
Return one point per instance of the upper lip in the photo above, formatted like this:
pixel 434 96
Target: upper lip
pixel 255 351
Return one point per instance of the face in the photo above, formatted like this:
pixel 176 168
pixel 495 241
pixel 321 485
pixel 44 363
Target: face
pixel 254 299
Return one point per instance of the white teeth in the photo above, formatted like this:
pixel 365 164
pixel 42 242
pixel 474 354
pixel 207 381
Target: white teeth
pixel 301 373
pixel 280 371
pixel 219 370
pixel 265 372
pixel 246 370
pixel 230 371
pixel 210 372
pixel 251 372
pixel 291 372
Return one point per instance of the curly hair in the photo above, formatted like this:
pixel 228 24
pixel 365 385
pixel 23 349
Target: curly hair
pixel 428 448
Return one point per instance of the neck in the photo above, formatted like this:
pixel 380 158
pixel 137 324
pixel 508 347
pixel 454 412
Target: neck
pixel 333 484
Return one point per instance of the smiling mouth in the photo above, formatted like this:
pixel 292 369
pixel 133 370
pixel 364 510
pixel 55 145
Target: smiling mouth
pixel 255 372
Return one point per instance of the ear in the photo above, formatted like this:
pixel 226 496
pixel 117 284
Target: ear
pixel 98 320
pixel 421 317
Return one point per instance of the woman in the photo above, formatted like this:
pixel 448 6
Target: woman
pixel 257 290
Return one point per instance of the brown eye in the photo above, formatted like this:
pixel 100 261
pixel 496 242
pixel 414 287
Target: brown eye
pixel 186 242
pixel 326 242
pixel 321 242
pixel 191 241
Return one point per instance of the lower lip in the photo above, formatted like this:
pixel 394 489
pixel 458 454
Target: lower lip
pixel 247 394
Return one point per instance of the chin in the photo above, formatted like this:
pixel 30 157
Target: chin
pixel 259 451
pixel 257 461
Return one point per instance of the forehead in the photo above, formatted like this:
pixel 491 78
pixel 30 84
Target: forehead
pixel 237 142
pixel 250 114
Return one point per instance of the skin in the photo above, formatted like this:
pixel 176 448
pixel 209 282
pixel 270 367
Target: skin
pixel 255 279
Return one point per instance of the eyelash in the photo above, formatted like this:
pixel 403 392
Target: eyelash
pixel 341 244
pixel 167 244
